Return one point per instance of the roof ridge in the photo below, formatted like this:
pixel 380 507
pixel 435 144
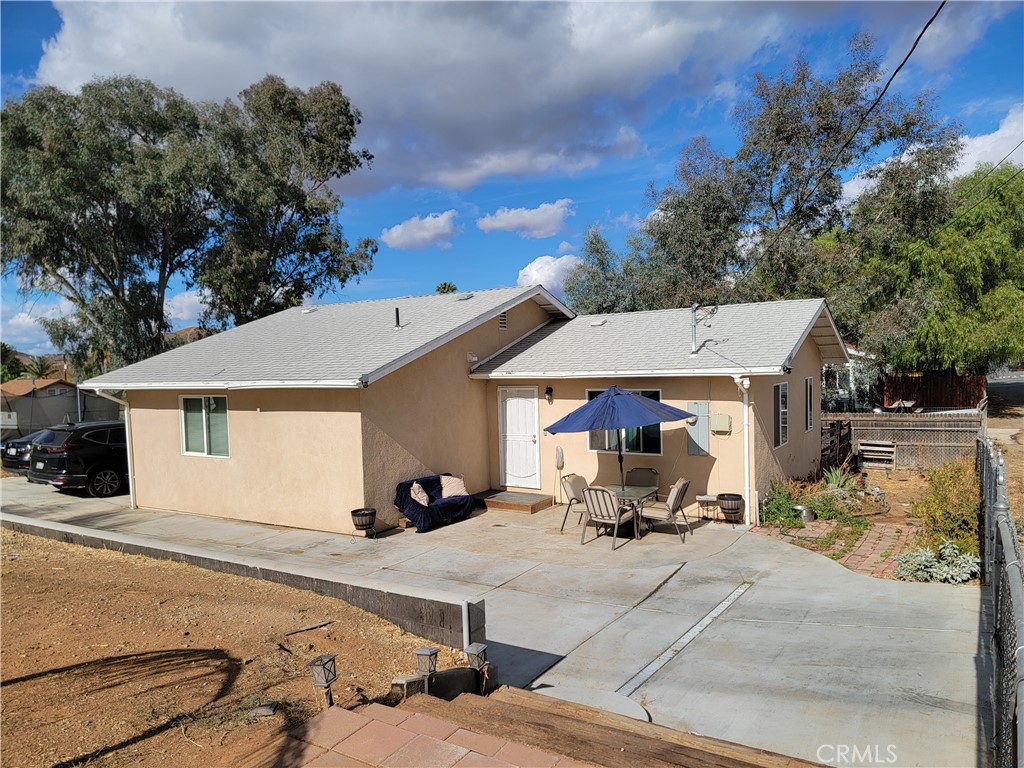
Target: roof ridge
pixel 421 296
pixel 720 306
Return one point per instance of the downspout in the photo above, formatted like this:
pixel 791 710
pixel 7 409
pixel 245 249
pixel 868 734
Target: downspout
pixel 128 439
pixel 743 384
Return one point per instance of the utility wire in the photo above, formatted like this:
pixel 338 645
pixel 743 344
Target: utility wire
pixel 860 125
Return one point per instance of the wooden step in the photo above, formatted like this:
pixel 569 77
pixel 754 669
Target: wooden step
pixel 514 501
pixel 592 736
pixel 553 706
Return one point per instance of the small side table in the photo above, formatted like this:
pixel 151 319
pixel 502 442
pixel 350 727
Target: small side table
pixel 705 503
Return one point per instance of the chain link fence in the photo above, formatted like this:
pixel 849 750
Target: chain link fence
pixel 1003 580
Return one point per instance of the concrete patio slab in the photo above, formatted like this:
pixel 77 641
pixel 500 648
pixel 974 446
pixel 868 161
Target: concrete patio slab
pixel 810 656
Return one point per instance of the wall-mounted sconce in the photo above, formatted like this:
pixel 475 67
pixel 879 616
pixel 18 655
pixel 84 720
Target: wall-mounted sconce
pixel 549 394
pixel 787 370
pixel 471 357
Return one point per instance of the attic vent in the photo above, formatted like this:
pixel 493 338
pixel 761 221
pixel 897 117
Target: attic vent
pixel 597 323
pixel 465 297
pixel 503 321
pixel 308 310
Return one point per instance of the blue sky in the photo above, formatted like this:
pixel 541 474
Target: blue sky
pixel 503 130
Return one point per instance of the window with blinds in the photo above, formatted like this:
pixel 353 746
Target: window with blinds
pixel 204 425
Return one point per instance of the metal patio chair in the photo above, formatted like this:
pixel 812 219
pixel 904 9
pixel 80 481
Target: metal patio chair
pixel 642 476
pixel 669 510
pixel 603 508
pixel 573 486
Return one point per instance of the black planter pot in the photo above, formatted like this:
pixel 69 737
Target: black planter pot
pixel 364 519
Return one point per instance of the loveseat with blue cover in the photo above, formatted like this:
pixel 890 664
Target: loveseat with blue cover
pixel 440 511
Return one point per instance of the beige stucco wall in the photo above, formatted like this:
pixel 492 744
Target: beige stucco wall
pixel 799 457
pixel 295 458
pixel 429 416
pixel 720 472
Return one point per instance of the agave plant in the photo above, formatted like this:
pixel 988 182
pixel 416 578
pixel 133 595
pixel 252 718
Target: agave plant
pixel 838 477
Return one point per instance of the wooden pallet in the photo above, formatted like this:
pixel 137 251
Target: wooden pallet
pixel 591 735
pixel 877 454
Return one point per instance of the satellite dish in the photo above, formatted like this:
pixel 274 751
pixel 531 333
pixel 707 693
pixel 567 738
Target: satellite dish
pixel 559 458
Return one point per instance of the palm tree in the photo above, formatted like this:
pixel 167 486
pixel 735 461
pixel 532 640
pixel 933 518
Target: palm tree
pixel 39 368
pixel 446 287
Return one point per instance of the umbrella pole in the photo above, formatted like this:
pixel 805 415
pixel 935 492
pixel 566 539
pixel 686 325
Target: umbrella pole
pixel 622 474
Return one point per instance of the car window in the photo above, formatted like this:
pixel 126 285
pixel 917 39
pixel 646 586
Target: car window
pixel 97 436
pixel 52 437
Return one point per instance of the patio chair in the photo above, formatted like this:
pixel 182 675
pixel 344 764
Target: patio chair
pixel 603 508
pixel 669 510
pixel 573 486
pixel 642 476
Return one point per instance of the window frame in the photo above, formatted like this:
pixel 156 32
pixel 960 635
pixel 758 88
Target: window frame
pixel 625 451
pixel 808 400
pixel 206 432
pixel 780 422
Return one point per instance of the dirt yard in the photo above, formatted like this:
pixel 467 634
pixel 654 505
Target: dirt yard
pixel 117 660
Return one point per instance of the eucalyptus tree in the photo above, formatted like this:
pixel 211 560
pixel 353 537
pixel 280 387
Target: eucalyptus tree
pixel 279 238
pixel 106 197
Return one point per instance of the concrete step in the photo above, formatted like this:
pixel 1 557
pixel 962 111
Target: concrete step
pixel 591 735
pixel 512 501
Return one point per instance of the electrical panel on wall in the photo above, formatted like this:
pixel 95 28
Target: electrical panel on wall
pixel 721 423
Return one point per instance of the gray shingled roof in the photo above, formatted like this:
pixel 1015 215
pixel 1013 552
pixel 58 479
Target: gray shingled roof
pixel 739 338
pixel 334 345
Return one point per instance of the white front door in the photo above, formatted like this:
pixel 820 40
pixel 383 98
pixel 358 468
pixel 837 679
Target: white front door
pixel 520 451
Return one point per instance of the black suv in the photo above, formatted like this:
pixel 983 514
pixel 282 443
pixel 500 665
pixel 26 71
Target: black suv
pixel 91 455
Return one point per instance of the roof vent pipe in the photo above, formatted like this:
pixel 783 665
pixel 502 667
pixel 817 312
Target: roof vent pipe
pixel 693 329
pixel 398 323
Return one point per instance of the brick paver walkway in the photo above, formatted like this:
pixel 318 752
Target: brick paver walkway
pixel 383 737
pixel 874 553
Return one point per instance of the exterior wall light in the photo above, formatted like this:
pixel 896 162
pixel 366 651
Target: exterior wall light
pixel 549 394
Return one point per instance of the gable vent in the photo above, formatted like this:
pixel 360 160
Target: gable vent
pixel 503 321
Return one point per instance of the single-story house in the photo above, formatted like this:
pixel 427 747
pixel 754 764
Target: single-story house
pixel 303 416
pixel 28 405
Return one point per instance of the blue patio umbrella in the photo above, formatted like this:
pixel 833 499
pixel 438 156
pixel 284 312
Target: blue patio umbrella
pixel 617 409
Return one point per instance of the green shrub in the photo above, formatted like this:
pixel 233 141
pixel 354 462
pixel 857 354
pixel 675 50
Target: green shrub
pixel 949 510
pixel 777 508
pixel 950 566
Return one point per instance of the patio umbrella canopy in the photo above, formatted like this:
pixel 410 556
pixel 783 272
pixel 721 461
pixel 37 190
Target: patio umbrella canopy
pixel 617 409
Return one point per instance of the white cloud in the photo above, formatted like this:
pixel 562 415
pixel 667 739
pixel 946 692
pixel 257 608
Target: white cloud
pixel 21 328
pixel 457 92
pixel 565 247
pixel 185 307
pixel 545 220
pixel 992 147
pixel 986 148
pixel 422 232
pixel 548 271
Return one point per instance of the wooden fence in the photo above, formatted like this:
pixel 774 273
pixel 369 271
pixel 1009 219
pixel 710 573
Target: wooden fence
pixel 836 443
pixel 922 440
pixel 933 390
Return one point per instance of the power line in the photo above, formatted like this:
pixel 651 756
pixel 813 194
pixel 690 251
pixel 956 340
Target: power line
pixel 860 125
pixel 990 171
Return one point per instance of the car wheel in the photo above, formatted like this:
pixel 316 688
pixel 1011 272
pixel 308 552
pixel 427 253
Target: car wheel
pixel 104 482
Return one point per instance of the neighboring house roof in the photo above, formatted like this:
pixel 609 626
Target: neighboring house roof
pixel 335 345
pixel 20 387
pixel 757 338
